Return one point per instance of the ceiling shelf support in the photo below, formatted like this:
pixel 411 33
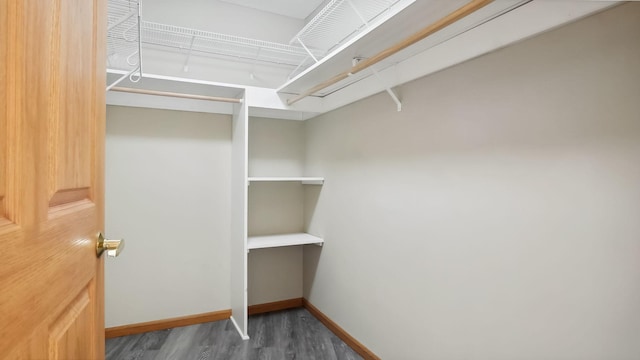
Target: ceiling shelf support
pixel 307 50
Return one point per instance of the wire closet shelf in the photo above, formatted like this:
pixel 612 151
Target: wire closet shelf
pixel 333 25
pixel 338 22
pixel 123 39
pixel 223 45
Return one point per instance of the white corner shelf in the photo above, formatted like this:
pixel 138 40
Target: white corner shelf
pixel 305 180
pixel 271 241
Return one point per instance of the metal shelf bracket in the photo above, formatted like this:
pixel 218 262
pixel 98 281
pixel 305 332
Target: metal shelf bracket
pixel 388 89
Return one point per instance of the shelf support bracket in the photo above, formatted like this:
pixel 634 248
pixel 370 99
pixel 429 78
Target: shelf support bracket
pixel 355 9
pixel 307 49
pixel 252 75
pixel 297 68
pixel 185 68
pixel 389 91
pixel 121 20
pixel 395 99
pixel 129 74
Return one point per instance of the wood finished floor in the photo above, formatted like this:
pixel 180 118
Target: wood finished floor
pixel 290 334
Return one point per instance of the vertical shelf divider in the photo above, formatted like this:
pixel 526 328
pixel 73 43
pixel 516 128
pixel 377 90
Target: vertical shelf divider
pixel 239 182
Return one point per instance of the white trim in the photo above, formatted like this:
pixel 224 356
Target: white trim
pixel 243 336
pixel 280 240
pixel 306 180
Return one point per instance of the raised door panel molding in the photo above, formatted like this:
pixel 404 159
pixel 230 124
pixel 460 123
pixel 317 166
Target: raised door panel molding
pixel 74 323
pixel 71 137
pixel 3 141
pixel 4 113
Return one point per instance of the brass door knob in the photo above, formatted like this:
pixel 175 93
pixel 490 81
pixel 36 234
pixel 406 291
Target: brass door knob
pixel 112 247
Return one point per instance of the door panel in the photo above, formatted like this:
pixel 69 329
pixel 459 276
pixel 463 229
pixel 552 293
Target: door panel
pixel 3 109
pixel 75 321
pixel 51 178
pixel 70 143
pixel 3 158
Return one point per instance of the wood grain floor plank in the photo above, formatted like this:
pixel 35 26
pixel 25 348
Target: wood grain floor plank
pixel 290 334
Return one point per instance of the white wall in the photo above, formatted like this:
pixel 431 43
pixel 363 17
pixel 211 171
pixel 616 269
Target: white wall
pixel 498 215
pixel 167 194
pixel 276 148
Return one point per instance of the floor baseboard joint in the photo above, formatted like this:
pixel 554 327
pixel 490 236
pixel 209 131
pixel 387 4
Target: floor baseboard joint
pixel 340 332
pixel 164 324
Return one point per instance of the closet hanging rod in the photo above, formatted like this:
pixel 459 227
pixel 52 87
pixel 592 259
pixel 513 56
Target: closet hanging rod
pixel 175 94
pixel 440 24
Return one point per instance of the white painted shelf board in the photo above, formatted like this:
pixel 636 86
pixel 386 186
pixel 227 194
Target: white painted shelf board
pixel 303 179
pixel 271 241
pixel 401 22
pixel 328 65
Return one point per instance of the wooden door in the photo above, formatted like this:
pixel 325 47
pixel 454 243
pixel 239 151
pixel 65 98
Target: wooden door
pixel 52 110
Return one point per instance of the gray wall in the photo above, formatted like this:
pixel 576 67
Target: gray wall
pixel 498 215
pixel 167 194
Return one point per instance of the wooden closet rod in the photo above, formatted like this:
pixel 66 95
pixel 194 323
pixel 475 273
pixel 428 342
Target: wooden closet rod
pixel 175 94
pixel 458 14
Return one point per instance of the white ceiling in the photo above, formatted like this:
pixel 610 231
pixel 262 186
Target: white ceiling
pixel 298 9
